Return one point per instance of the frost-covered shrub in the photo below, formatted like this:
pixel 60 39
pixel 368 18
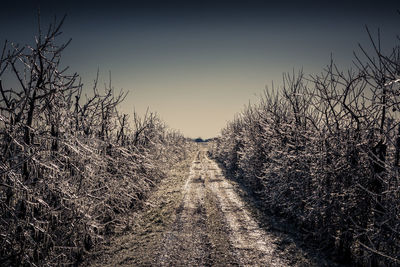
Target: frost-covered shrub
pixel 323 152
pixel 71 169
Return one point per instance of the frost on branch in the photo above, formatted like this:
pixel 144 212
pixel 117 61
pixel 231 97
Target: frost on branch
pixel 71 166
pixel 323 152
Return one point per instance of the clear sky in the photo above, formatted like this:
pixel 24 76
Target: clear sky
pixel 197 63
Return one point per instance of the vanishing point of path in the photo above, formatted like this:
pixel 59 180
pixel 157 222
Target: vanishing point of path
pixel 197 218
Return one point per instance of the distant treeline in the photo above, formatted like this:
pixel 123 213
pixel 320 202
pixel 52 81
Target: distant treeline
pixel 323 152
pixel 201 140
pixel 71 166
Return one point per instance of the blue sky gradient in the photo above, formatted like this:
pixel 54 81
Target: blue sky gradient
pixel 197 63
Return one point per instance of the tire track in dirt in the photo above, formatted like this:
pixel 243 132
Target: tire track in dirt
pixel 253 246
pixel 188 243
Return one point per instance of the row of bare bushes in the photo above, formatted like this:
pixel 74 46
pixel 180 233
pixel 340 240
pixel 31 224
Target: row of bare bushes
pixel 323 152
pixel 71 166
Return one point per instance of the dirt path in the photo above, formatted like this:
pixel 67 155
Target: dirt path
pixel 188 243
pixel 196 218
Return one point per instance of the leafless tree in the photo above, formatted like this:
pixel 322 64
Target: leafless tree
pixel 323 152
pixel 71 168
